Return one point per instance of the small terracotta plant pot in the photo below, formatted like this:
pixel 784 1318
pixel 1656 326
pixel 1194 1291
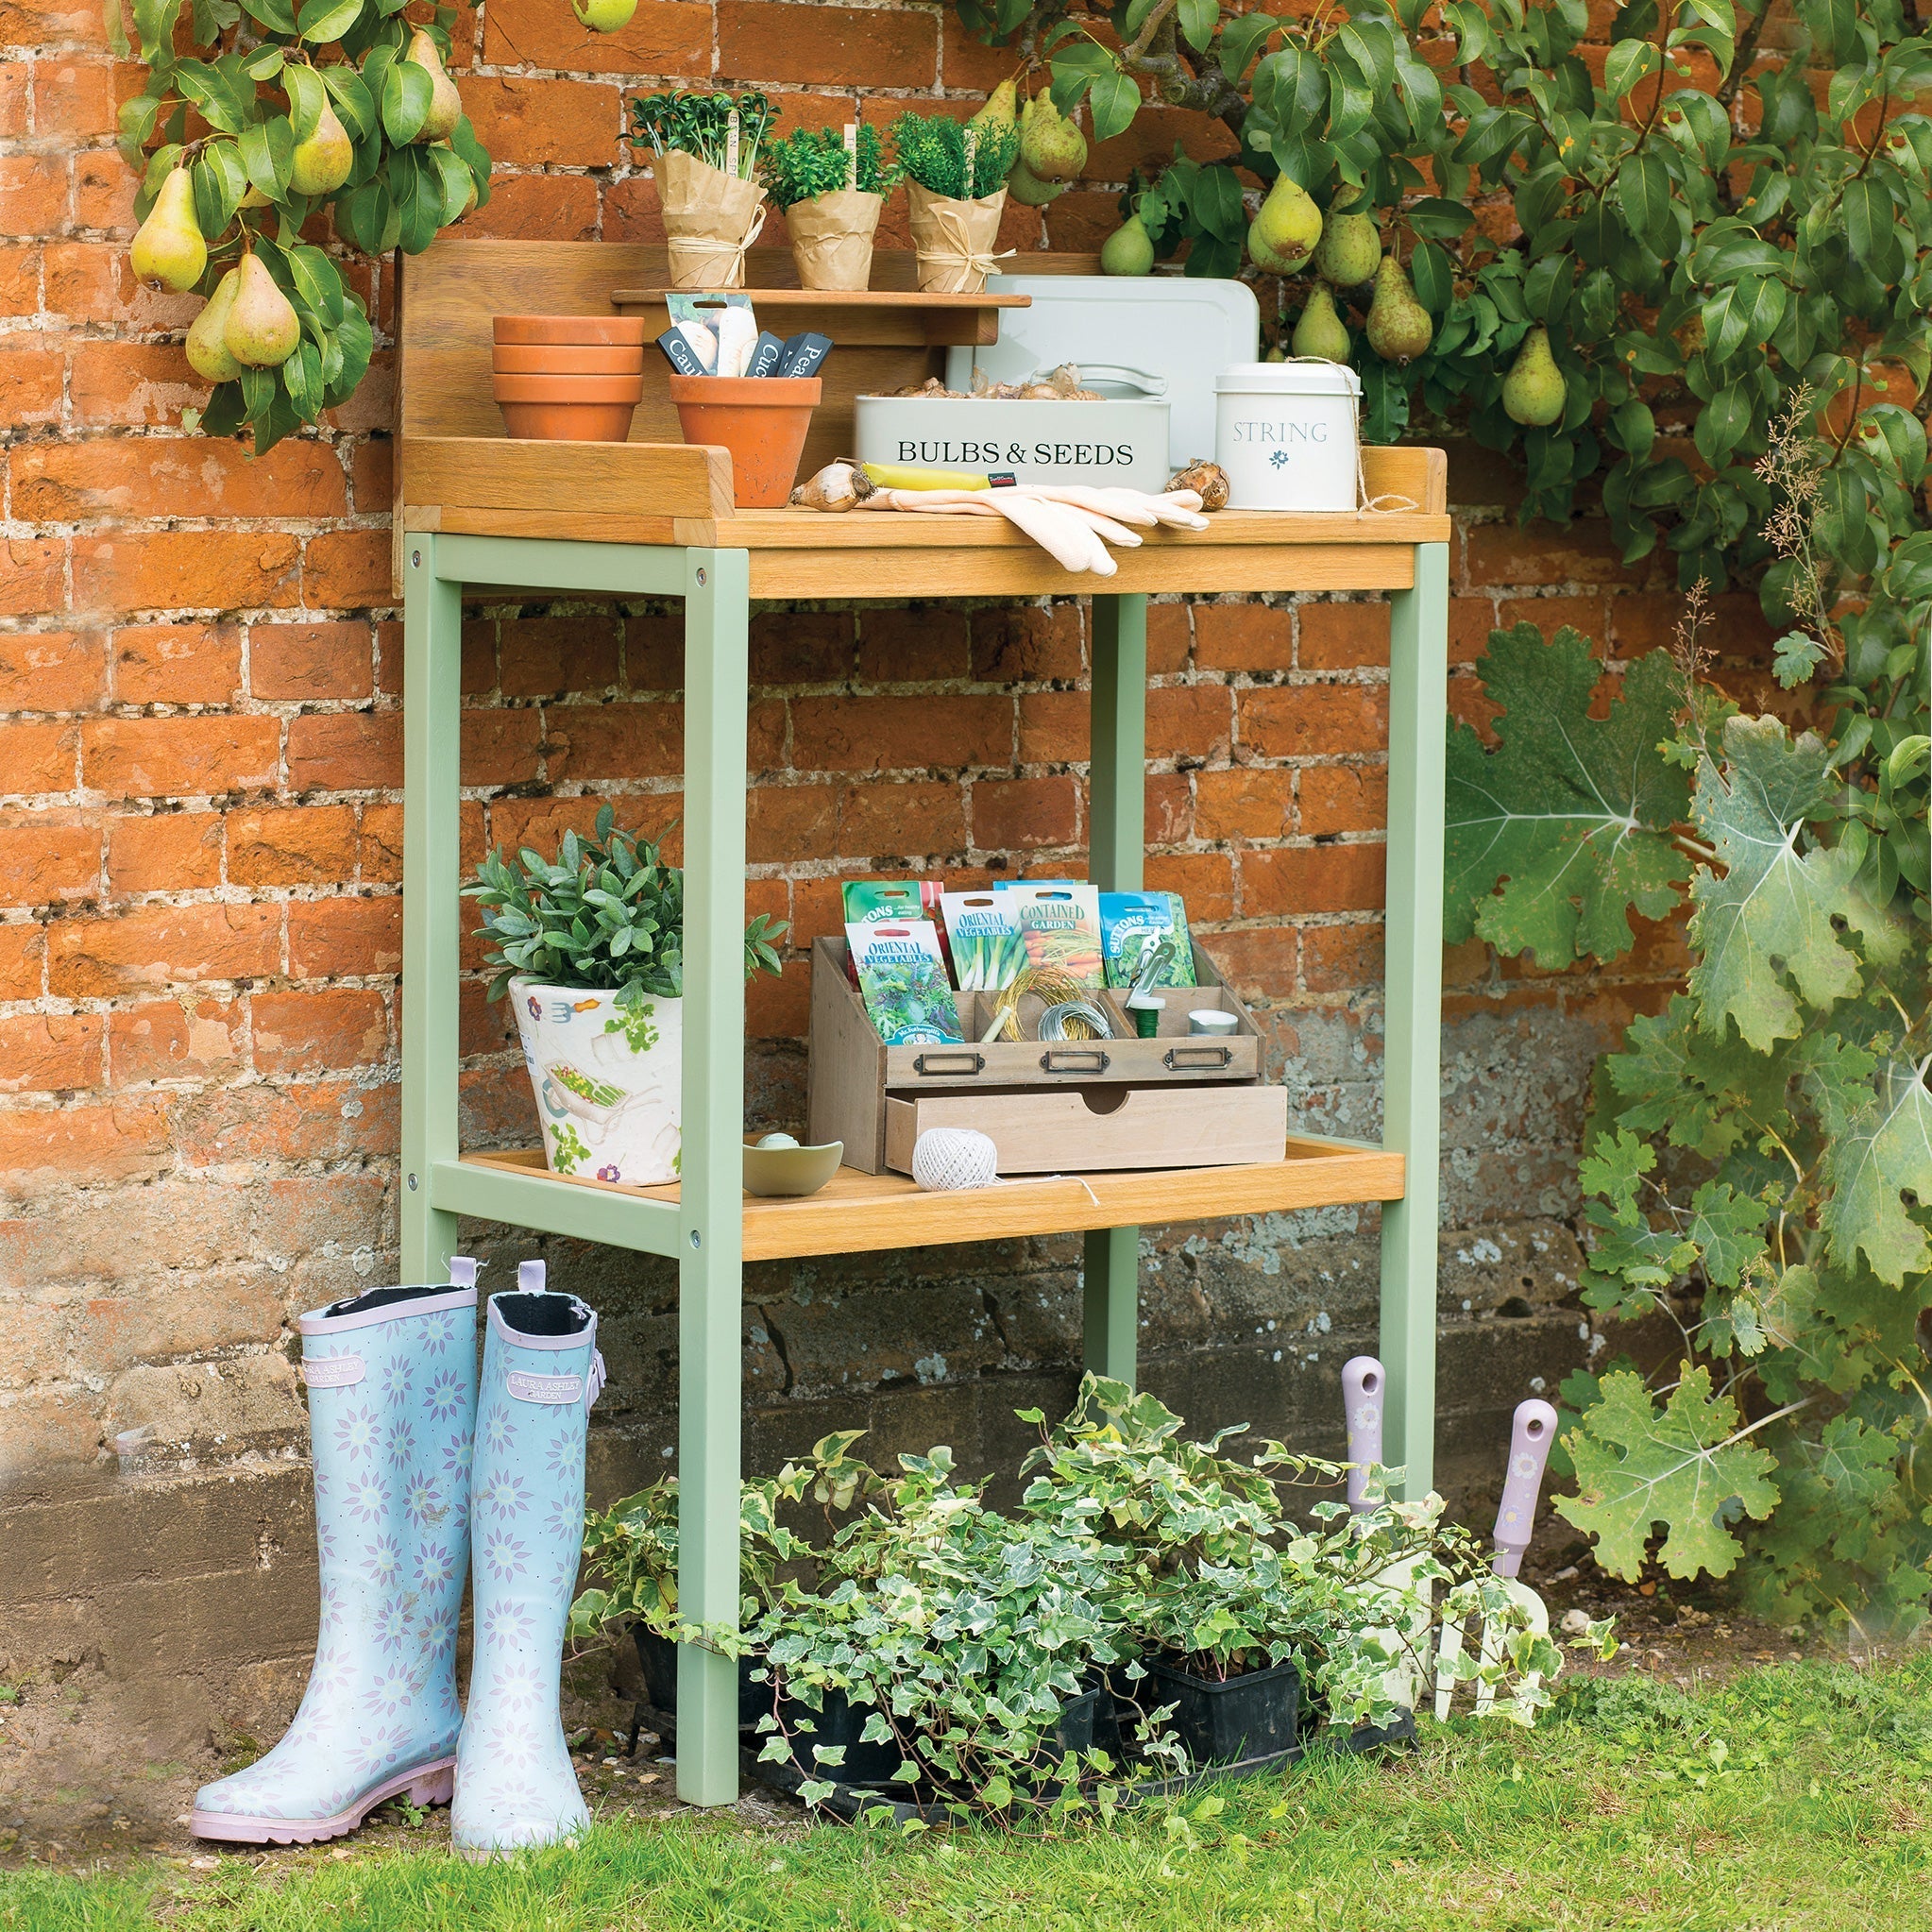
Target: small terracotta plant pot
pixel 569 408
pixel 565 359
pixel 608 331
pixel 761 419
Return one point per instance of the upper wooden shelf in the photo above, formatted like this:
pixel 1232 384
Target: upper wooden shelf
pixel 866 318
pixel 857 1212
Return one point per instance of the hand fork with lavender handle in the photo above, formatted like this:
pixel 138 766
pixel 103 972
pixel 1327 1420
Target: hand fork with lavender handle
pixel 1533 1433
pixel 1365 1386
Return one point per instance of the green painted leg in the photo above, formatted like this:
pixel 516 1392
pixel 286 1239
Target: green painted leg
pixel 711 1284
pixel 432 644
pixel 1116 810
pixel 1412 1059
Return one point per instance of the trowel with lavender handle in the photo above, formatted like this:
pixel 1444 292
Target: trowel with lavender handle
pixel 1531 1434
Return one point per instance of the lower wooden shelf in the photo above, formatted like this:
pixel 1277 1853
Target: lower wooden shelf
pixel 857 1212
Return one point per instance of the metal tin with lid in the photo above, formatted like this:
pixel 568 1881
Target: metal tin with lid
pixel 1286 436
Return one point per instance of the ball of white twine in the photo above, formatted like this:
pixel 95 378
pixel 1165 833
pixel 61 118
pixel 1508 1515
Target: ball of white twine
pixel 946 1159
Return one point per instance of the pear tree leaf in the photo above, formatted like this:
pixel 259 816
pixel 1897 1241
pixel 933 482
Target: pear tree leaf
pixel 1871 1161
pixel 1557 833
pixel 1681 1465
pixel 1769 921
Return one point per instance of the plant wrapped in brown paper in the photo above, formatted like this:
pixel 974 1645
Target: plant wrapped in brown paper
pixel 707 158
pixel 833 190
pixel 956 189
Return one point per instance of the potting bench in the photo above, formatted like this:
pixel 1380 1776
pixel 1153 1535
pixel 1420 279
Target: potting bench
pixel 643 519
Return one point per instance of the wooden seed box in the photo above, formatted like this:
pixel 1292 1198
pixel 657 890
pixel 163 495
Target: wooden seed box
pixel 1178 1100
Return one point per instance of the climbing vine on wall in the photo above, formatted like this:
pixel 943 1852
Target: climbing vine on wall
pixel 257 119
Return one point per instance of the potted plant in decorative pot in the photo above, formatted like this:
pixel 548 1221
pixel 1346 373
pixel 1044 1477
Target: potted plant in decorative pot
pixel 590 947
pixel 832 190
pixel 956 189
pixel 707 149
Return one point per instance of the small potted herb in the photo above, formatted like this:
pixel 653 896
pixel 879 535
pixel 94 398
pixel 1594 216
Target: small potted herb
pixel 832 197
pixel 706 146
pixel 590 949
pixel 957 175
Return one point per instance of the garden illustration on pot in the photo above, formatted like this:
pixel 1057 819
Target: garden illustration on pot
pixel 589 948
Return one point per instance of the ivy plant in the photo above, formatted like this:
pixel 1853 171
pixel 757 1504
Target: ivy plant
pixel 235 94
pixel 605 912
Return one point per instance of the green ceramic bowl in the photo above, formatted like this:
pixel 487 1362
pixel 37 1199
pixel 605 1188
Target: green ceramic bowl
pixel 774 1171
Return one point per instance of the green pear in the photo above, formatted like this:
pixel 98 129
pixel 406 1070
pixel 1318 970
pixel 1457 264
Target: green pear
pixel 1533 392
pixel 263 326
pixel 1350 248
pixel 1051 145
pixel 604 16
pixel 1129 251
pixel 1319 332
pixel 1001 111
pixel 1024 186
pixel 321 163
pixel 446 104
pixel 168 247
pixel 1398 327
pixel 1282 237
pixel 207 354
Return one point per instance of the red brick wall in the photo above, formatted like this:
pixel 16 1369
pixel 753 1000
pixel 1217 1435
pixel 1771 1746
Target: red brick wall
pixel 200 822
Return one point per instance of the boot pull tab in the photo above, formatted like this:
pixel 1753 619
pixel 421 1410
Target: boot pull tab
pixel 594 1381
pixel 462 1271
pixel 530 1278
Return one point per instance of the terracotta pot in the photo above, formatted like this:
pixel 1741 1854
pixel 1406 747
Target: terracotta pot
pixel 609 331
pixel 569 408
pixel 566 358
pixel 761 420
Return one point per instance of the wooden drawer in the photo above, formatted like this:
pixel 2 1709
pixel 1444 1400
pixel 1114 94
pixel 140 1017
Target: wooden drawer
pixel 853 1071
pixel 1082 1129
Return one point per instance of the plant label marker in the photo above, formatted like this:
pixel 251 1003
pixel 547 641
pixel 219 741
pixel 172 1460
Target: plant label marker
pixel 851 154
pixel 731 142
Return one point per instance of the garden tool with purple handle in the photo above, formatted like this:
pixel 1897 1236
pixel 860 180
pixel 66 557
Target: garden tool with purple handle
pixel 1365 1385
pixel 1533 1433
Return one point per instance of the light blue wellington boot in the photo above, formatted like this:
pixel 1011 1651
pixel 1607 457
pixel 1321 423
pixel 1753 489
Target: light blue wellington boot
pixel 541 1371
pixel 392 1403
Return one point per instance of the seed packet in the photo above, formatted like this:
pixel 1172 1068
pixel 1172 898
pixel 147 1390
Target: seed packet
pixel 902 978
pixel 866 900
pixel 984 931
pixel 1132 921
pixel 1061 927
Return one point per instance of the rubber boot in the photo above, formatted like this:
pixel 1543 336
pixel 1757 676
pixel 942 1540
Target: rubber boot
pixel 391 1377
pixel 515 1783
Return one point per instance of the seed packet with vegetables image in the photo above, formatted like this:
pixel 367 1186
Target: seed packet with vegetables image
pixel 984 931
pixel 902 978
pixel 1061 927
pixel 1132 921
pixel 868 901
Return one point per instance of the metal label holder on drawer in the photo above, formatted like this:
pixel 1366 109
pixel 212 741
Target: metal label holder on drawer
pixel 855 1076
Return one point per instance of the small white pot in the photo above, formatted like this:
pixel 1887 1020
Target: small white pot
pixel 1285 435
pixel 607 1079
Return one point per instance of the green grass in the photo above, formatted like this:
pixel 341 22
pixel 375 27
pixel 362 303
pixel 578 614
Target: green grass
pixel 1796 1797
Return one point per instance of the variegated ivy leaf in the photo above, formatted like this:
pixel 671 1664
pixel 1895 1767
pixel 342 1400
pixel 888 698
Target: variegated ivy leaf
pixel 1769 921
pixel 1557 833
pixel 1638 1465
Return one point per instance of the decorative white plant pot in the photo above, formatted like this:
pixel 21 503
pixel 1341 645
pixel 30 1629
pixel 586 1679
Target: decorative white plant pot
pixel 607 1080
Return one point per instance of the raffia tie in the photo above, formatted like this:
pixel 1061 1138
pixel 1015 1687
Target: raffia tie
pixel 732 253
pixel 962 254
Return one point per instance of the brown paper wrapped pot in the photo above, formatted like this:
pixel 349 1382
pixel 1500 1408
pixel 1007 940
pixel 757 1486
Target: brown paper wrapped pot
pixel 953 240
pixel 832 238
pixel 710 219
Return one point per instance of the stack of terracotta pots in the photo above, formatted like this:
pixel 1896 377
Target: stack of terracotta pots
pixel 569 378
